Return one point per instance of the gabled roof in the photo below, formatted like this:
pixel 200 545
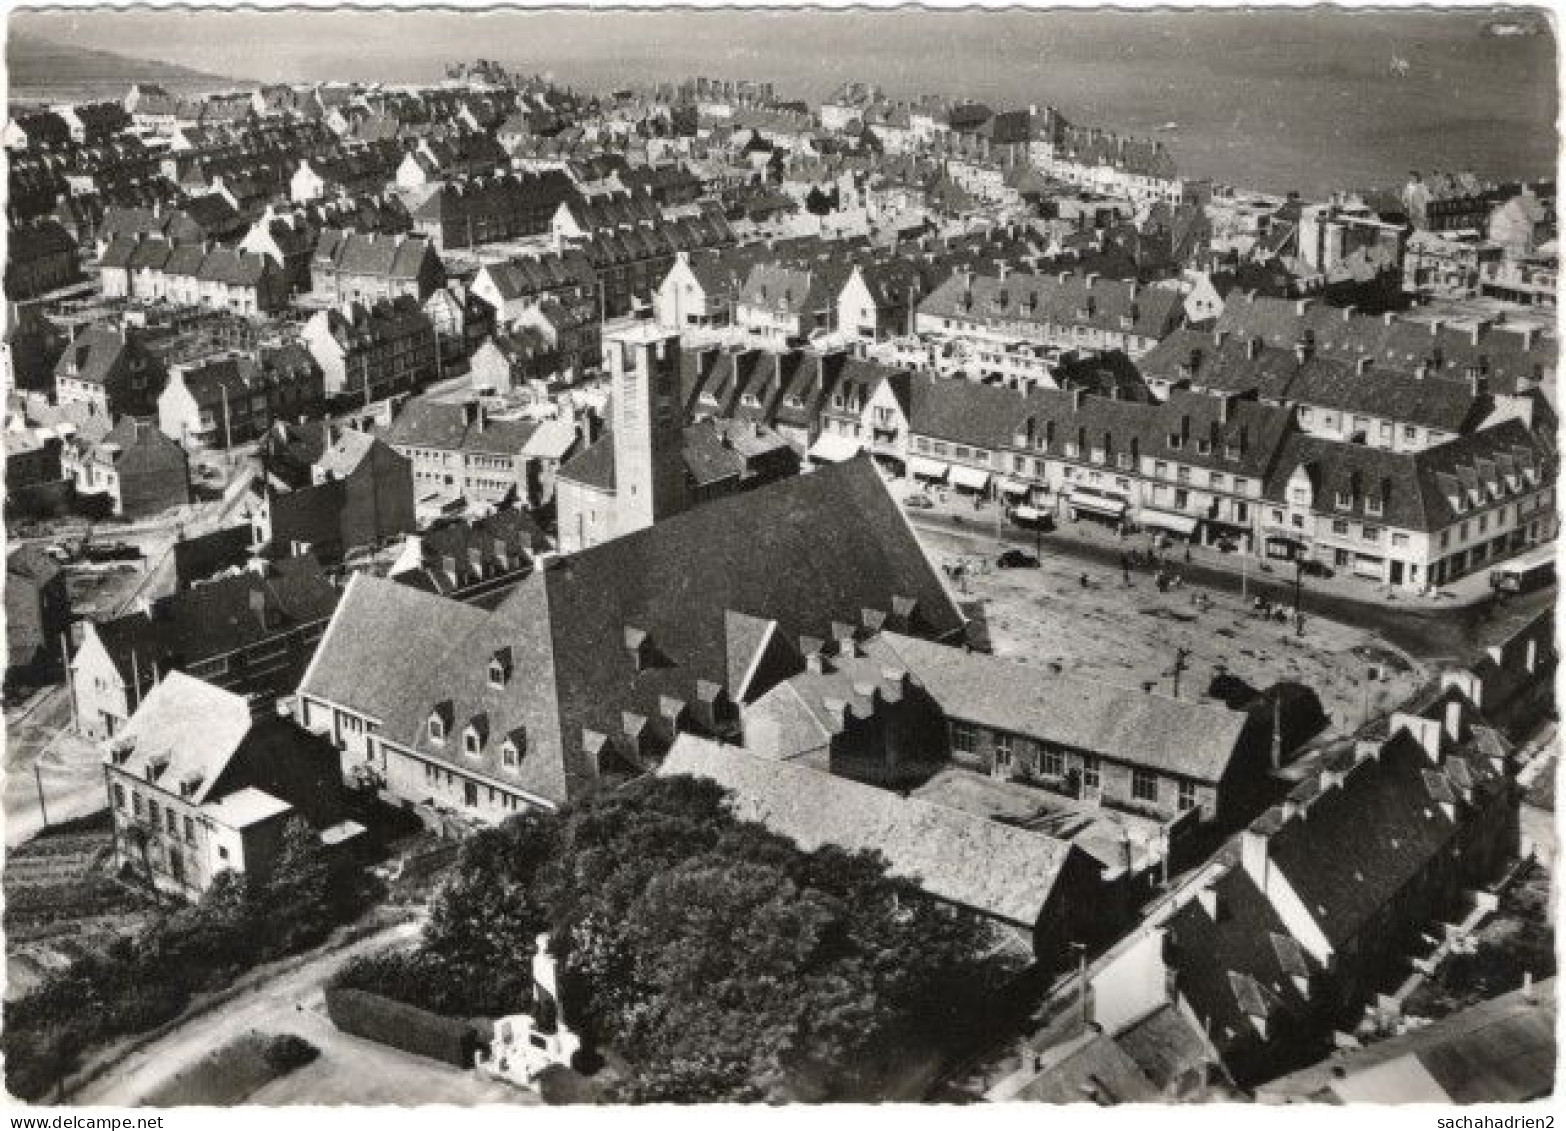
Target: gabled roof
pixel 183 735
pixel 1195 740
pixel 674 583
pixel 994 869
pixel 217 617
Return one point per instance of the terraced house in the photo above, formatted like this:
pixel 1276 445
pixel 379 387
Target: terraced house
pixel 1065 310
pixel 1413 519
pixel 218 278
pixel 232 398
pixel 373 351
pixel 349 267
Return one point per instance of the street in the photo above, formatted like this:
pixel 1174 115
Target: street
pixel 349 1070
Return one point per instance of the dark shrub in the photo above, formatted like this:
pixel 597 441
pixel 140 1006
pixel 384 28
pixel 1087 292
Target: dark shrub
pixel 285 1052
pixel 402 1026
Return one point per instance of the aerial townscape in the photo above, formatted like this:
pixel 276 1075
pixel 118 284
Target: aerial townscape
pixel 528 592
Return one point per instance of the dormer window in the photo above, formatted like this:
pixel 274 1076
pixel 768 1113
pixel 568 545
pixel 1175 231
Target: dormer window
pixel 472 742
pixel 1204 447
pixel 1176 441
pixel 1345 500
pixel 511 751
pixel 437 726
pixel 1373 504
pixel 500 668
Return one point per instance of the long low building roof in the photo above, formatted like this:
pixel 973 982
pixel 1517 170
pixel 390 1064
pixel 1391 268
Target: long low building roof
pixel 994 869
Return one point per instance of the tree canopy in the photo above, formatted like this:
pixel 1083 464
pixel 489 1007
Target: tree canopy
pixel 717 958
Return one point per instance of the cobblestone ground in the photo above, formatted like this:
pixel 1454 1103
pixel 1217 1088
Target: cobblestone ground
pixel 1130 635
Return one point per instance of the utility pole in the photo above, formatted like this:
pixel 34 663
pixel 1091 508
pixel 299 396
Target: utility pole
pixel 1245 564
pixel 1082 984
pixel 228 431
pixel 38 778
pixel 1299 588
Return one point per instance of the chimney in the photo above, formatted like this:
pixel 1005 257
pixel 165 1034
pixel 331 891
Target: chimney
pixel 1427 732
pixel 846 637
pixel 1253 349
pixel 258 606
pixel 1255 855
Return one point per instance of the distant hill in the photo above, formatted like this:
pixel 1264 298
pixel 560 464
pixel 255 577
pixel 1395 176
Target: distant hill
pixel 41 70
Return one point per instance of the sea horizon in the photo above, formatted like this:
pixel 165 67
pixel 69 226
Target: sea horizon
pixel 1269 100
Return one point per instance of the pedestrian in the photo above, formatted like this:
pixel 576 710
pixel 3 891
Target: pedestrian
pixel 1084 580
pixel 1188 553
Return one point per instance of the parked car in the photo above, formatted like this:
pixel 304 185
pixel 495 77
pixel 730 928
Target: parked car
pixel 919 502
pixel 111 552
pixel 1017 559
pixel 1227 545
pixel 1313 568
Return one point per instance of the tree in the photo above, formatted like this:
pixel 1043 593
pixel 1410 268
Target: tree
pixel 719 959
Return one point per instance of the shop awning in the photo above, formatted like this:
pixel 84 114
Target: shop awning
pixel 1014 487
pixel 832 448
pixel 1174 523
pixel 970 477
pixel 1098 504
pixel 923 468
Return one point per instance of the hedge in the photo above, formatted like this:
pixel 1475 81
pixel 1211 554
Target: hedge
pixel 402 1026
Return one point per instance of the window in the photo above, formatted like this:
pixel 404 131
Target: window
pixel 1345 501
pixel 1051 763
pixel 1340 527
pixel 171 822
pixel 1400 541
pixel 119 796
pixel 154 813
pixel 965 739
pixel 1144 785
pixel 1373 504
pixel 1182 475
pixel 437 729
pixel 1372 533
pixel 136 804
pixel 1410 432
pixel 1090 776
pixel 1187 795
pixel 1002 751
pixel 190 828
pixel 222 853
pixel 471 742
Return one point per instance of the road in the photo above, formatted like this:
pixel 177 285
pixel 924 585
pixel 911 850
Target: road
pixel 1426 633
pixel 350 1070
pixel 43 753
pixel 272 1004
